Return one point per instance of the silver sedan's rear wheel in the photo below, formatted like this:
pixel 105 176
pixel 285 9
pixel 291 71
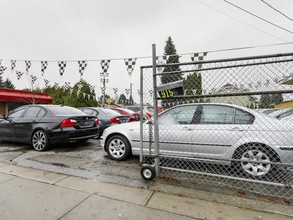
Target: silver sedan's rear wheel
pixel 40 140
pixel 118 148
pixel 256 161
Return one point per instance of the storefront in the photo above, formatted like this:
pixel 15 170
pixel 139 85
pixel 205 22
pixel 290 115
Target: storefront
pixel 11 99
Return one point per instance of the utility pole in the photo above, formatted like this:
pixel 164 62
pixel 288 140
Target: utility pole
pixel 131 93
pixel 104 80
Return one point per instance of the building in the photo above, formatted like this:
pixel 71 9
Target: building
pixel 243 100
pixel 11 99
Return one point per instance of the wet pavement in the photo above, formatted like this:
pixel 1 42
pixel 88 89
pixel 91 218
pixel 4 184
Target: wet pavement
pixel 88 160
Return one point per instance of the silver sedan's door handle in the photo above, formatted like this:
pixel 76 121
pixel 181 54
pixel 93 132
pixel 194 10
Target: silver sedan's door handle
pixel 236 129
pixel 187 128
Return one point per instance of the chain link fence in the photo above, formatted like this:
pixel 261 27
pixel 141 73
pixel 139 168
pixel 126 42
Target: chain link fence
pixel 215 128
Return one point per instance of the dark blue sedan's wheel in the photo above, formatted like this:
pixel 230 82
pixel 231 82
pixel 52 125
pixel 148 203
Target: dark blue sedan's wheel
pixel 40 140
pixel 147 172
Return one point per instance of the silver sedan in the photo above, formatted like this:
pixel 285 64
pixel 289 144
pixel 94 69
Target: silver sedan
pixel 216 132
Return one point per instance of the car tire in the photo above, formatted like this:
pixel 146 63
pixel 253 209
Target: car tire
pixel 40 141
pixel 118 148
pixel 263 157
pixel 147 172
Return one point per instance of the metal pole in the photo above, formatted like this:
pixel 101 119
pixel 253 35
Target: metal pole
pixel 104 84
pixel 141 116
pixel 155 105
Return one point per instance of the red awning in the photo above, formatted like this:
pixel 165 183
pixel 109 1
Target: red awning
pixel 11 95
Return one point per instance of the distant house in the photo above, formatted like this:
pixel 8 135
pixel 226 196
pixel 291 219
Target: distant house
pixel 243 100
pixel 11 99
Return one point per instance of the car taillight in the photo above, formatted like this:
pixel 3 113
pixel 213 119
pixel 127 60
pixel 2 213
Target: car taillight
pixel 149 115
pixel 131 119
pixel 68 123
pixel 97 121
pixel 114 120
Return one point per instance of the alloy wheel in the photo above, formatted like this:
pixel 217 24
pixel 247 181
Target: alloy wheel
pixel 117 148
pixel 255 162
pixel 39 140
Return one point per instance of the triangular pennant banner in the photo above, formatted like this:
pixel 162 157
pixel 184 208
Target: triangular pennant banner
pixel 115 90
pixel 28 65
pixel 2 69
pixel 92 88
pixel 19 74
pixel 46 82
pixel 66 86
pixel 105 65
pixel 79 87
pixel 34 79
pixel 13 64
pixel 44 65
pixel 130 64
pixel 82 65
pixel 198 57
pixel 62 66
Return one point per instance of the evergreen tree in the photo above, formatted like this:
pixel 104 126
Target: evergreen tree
pixel 122 99
pixel 8 84
pixel 171 73
pixel 175 69
pixel 276 98
pixel 265 101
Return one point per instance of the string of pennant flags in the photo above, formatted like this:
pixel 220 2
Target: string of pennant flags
pixel 105 64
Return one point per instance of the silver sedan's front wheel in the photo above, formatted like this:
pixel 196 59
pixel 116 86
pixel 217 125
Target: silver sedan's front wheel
pixel 118 148
pixel 40 140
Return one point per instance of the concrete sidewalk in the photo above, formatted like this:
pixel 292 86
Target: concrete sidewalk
pixel 27 193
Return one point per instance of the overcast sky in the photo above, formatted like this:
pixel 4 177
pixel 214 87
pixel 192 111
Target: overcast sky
pixel 55 30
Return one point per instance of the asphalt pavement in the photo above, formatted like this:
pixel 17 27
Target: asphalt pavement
pixel 29 193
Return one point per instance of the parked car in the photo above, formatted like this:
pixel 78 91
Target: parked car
pixel 284 114
pixel 106 117
pixel 148 111
pixel 133 116
pixel 43 125
pixel 267 110
pixel 219 132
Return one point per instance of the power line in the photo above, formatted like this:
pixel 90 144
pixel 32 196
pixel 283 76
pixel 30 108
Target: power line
pixel 242 21
pixel 284 29
pixel 276 10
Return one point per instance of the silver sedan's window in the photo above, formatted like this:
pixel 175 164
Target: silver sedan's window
pixel 216 114
pixel 242 117
pixel 178 115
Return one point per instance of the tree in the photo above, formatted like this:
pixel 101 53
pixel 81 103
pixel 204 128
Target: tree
pixel 122 99
pixel 265 101
pixel 8 84
pixel 193 84
pixel 171 73
pixel 73 97
pixel 277 98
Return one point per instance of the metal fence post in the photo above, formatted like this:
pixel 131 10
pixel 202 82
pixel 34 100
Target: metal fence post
pixel 155 105
pixel 141 115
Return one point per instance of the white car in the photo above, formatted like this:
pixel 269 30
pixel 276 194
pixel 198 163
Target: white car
pixel 213 131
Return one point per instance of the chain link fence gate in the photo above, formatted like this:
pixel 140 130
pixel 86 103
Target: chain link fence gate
pixel 213 130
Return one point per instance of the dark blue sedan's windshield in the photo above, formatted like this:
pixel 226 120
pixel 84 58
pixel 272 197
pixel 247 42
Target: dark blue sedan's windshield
pixel 64 110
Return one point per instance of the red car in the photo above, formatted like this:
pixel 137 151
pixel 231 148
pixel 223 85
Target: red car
pixel 134 116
